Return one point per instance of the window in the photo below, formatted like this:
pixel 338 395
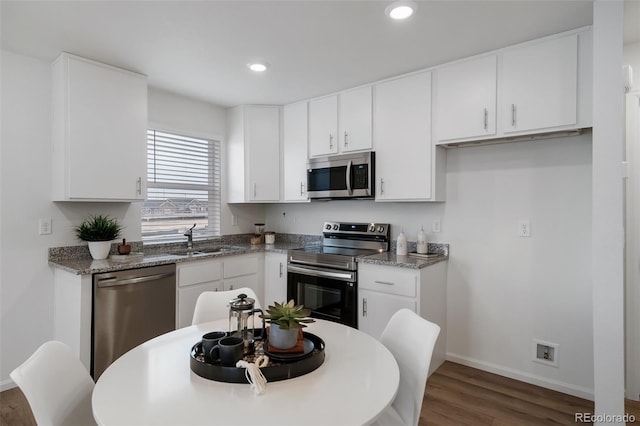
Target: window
pixel 183 187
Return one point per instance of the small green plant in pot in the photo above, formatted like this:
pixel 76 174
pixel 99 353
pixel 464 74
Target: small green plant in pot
pixel 286 319
pixel 99 230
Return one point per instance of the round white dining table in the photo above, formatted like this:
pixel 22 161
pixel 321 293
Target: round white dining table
pixel 153 384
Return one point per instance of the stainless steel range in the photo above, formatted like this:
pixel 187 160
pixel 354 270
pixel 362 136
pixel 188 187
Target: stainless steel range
pixel 324 278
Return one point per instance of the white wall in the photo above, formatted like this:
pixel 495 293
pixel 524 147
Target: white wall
pixel 26 281
pixel 503 291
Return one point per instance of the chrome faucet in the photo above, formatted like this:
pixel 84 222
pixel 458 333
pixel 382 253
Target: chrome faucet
pixel 189 234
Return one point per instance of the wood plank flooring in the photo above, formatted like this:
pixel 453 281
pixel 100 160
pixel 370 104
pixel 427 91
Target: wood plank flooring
pixel 456 395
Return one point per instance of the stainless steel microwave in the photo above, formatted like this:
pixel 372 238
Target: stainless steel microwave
pixel 342 176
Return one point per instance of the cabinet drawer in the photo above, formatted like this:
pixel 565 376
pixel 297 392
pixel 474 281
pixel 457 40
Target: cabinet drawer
pixel 240 265
pixel 199 272
pixel 388 280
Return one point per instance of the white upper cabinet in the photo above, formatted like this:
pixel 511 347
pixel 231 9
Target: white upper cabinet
pixel 253 153
pixel 99 131
pixel 341 123
pixel 294 152
pixel 403 139
pixel 466 99
pixel 355 120
pixel 323 126
pixel 542 86
pixel 539 84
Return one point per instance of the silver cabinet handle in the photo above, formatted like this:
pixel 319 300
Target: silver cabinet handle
pixel 346 135
pixel 381 186
pixel 330 141
pixel 364 307
pixel 301 188
pixel 486 119
pixel 254 190
pixel 514 111
pixel 139 186
pixel 280 269
pixel 385 282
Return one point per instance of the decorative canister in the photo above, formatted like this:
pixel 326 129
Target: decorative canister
pixel 269 237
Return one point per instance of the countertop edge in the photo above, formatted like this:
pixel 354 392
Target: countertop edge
pixel 90 266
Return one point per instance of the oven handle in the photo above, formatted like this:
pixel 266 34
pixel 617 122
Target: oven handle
pixel 343 276
pixel 349 189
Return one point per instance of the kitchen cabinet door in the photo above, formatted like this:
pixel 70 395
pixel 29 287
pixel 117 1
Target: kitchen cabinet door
pixel 275 279
pixel 323 126
pixel 465 99
pixel 187 297
pixel 375 310
pixel 355 120
pixel 99 135
pixel 253 153
pixel 294 152
pixel 403 139
pixel 539 84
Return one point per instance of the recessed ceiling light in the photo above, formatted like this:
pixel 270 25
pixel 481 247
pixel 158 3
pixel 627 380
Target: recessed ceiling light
pixel 258 66
pixel 401 9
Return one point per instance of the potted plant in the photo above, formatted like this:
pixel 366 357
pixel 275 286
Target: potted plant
pixel 99 231
pixel 286 320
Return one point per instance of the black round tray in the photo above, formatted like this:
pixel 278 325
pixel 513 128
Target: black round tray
pixel 273 372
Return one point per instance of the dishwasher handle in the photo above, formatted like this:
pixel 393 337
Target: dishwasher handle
pixel 111 282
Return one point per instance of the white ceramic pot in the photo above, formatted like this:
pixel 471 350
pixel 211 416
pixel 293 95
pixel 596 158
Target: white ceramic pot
pixel 99 249
pixel 282 339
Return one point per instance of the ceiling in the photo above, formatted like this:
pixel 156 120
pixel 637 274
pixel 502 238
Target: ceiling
pixel 200 48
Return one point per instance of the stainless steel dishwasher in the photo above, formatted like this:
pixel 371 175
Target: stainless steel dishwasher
pixel 129 308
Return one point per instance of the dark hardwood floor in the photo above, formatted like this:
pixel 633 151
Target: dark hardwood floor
pixel 455 395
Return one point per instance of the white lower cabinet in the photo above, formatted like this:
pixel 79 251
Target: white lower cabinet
pixel 383 290
pixel 219 274
pixel 275 278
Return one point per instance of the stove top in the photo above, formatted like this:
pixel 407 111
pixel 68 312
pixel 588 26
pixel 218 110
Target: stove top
pixel 343 243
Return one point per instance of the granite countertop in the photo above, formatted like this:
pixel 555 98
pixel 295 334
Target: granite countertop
pixel 76 259
pixel 82 264
pixel 391 259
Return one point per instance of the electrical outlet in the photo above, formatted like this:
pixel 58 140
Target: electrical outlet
pixel 44 226
pixel 435 226
pixel 524 228
pixel 234 220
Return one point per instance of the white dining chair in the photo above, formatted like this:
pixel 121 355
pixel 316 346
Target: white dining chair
pixel 411 339
pixel 214 305
pixel 57 386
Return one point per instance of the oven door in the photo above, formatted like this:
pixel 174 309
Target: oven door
pixel 330 294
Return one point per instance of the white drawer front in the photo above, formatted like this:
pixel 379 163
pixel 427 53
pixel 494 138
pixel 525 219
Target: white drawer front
pixel 240 265
pixel 199 272
pixel 386 279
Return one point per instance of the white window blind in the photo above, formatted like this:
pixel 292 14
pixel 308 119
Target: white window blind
pixel 183 186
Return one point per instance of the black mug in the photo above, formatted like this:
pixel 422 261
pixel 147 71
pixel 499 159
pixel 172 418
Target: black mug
pixel 228 351
pixel 209 340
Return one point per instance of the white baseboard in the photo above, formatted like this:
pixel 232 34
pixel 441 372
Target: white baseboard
pixel 544 382
pixel 6 385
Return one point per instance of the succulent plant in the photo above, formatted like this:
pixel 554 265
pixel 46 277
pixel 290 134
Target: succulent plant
pixel 98 228
pixel 287 315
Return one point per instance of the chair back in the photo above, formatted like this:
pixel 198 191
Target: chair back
pixel 411 339
pixel 57 386
pixel 214 305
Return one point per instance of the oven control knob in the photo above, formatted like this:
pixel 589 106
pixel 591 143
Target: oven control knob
pixel 372 228
pixel 335 226
pixel 328 227
pixel 380 228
